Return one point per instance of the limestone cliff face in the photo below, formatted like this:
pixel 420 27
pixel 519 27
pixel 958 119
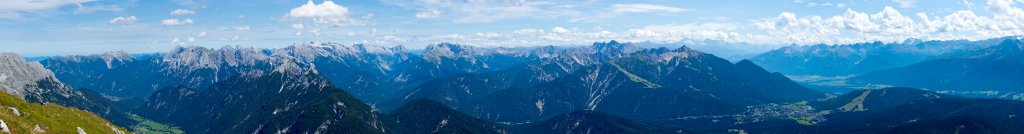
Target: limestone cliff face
pixel 27 79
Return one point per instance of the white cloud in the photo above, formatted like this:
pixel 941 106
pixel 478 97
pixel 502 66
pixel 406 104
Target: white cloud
pixel 324 13
pixel 316 31
pixel 644 8
pixel 183 12
pixel 716 18
pixel 841 5
pixel 559 30
pixel 240 28
pixel 905 3
pixel 967 4
pixel 298 26
pixel 29 9
pixel 429 13
pixel 623 9
pixel 812 4
pixel 176 41
pixel 82 9
pixel 855 21
pixel 176 22
pixel 894 22
pixel 488 35
pixel 201 34
pixel 483 11
pixel 577 36
pixel 124 20
pixel 890 25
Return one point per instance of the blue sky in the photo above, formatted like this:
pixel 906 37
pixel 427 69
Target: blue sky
pixel 62 27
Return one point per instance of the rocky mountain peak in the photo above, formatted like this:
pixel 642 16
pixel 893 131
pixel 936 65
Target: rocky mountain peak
pixel 614 46
pixel 614 49
pixel 20 77
pixel 194 57
pixel 116 56
pixel 450 50
pixel 111 59
pixel 375 49
pixel 664 54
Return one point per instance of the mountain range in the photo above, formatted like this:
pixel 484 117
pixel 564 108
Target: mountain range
pixel 996 71
pixel 860 58
pixel 605 87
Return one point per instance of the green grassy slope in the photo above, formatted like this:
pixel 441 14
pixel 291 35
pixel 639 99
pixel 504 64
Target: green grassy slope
pixel 22 117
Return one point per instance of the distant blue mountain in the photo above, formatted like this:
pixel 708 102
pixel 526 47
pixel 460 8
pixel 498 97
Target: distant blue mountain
pixel 732 51
pixel 854 59
pixel 999 69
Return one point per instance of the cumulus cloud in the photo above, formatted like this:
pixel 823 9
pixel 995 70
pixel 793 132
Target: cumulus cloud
pixel 429 13
pixel 559 30
pixel 891 25
pixel 183 12
pixel 1004 18
pixel 176 22
pixel 124 20
pixel 176 41
pixel 327 12
pixel 644 8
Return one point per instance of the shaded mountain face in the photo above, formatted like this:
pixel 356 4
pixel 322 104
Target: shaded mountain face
pixel 636 84
pixel 581 122
pixel 1002 119
pixel 79 70
pixel 554 63
pixel 885 98
pixel 297 101
pixel 33 83
pixel 997 69
pixel 888 110
pixel 936 115
pixel 918 116
pixel 424 116
pixel 853 59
